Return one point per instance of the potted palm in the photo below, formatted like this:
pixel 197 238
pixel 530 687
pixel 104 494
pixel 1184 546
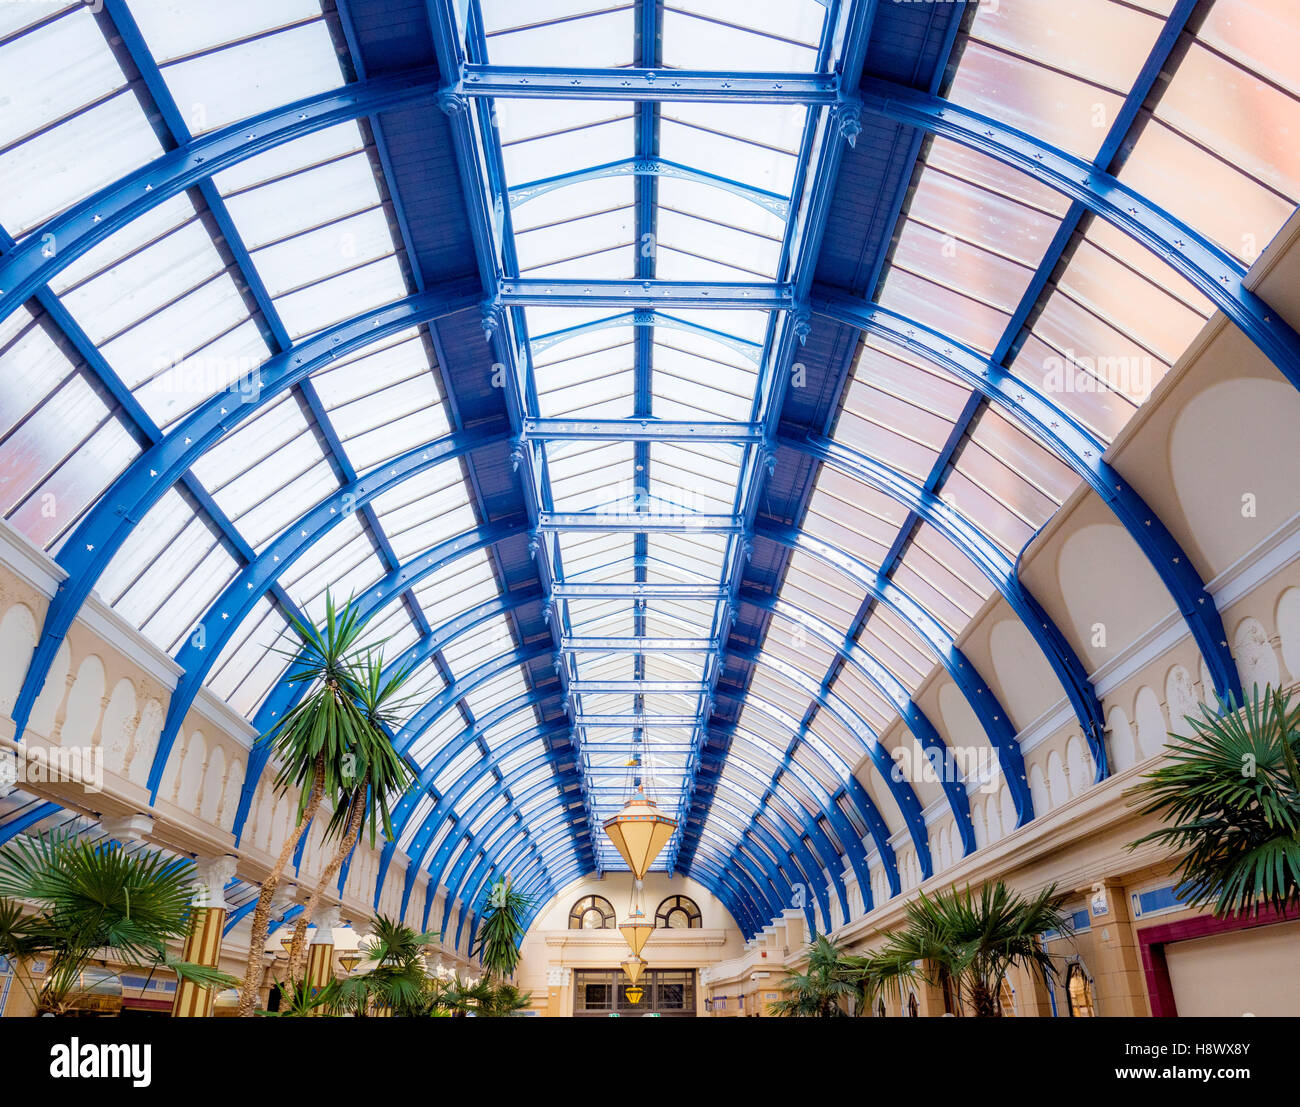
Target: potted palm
pixel 833 985
pixel 313 742
pixel 397 981
pixel 973 939
pixel 93 901
pixel 1230 792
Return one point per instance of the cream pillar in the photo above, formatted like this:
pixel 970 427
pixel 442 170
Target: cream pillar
pixel 203 943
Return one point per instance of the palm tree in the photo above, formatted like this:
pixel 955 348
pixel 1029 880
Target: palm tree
pixel 313 742
pixel 832 985
pixel 372 774
pixel 1231 793
pixel 505 1001
pixel 93 900
pixel 502 929
pixel 397 981
pixel 973 939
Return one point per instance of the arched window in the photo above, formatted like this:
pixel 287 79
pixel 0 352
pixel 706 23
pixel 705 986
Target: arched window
pixel 592 913
pixel 678 913
pixel 1078 992
pixel 913 1008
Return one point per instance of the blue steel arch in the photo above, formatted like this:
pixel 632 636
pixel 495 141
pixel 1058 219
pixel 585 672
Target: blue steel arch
pixel 770 802
pixel 1057 430
pixel 909 805
pixel 292 543
pixel 914 718
pixel 428 828
pixel 444 809
pixel 795 846
pixel 799 820
pixel 855 794
pixel 448 697
pixel 941 113
pixel 453 750
pixel 997 568
pixel 112 518
pixel 204 646
pixel 983 702
pixel 1216 274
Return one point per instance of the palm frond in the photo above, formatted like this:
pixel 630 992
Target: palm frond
pixel 1230 795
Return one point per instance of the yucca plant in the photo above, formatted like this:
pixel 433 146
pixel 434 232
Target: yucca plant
pixel 313 742
pixel 973 938
pixel 1230 792
pixel 831 987
pixel 372 773
pixel 93 900
pixel 502 929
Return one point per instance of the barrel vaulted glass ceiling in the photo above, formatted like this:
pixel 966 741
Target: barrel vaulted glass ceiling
pixel 674 381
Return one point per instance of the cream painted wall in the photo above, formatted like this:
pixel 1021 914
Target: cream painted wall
pixel 1252 972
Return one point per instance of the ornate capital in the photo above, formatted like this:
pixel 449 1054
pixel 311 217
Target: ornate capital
pixel 126 828
pixel 211 875
pixel 326 920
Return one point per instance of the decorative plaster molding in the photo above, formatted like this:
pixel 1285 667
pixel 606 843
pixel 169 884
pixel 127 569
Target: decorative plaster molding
pixel 127 828
pixel 32 566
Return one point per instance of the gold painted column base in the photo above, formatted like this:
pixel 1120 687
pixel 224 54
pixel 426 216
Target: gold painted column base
pixel 320 967
pixel 202 947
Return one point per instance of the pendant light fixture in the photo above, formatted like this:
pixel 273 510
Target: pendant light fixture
pixel 636 929
pixel 639 832
pixel 633 966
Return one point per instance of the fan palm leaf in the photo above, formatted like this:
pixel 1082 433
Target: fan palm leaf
pixel 1230 794
pixel 92 899
pixel 974 938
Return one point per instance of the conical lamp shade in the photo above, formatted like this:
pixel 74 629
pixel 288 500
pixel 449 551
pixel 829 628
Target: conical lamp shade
pixel 639 832
pixel 634 995
pixel 633 966
pixel 636 928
